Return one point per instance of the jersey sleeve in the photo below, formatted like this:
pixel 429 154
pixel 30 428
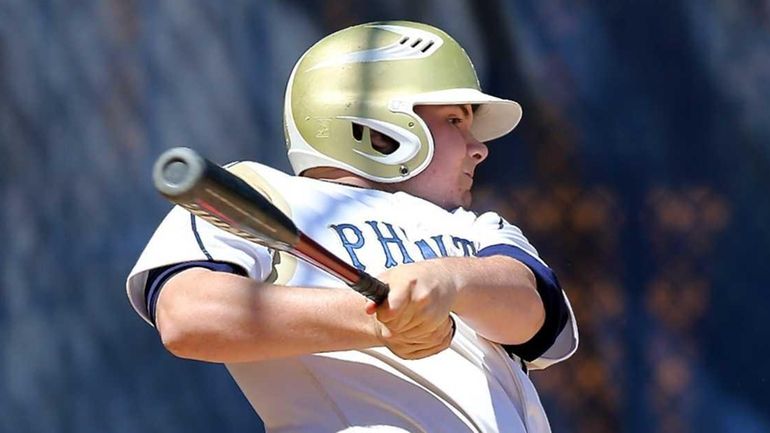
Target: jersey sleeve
pixel 182 237
pixel 557 340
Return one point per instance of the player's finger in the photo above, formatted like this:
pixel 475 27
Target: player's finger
pixel 418 323
pixel 418 330
pixel 399 297
pixel 421 339
pixel 396 320
pixel 445 342
pixel 426 351
pixel 385 312
pixel 370 308
pixel 415 351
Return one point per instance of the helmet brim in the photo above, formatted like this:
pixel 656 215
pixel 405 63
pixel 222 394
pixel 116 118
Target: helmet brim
pixel 494 118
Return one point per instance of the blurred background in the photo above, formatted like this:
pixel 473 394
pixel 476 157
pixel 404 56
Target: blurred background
pixel 640 171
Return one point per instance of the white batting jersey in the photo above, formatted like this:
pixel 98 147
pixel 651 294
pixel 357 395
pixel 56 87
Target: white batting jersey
pixel 474 386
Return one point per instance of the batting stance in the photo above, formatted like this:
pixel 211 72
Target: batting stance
pixel 385 127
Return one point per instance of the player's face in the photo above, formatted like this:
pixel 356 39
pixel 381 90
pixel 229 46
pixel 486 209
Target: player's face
pixel 448 178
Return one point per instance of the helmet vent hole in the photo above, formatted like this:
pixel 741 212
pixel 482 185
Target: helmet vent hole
pixel 421 44
pixel 382 143
pixel 358 132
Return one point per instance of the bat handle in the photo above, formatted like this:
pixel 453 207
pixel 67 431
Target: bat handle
pixel 371 287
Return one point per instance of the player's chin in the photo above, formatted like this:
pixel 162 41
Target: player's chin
pixel 453 200
pixel 467 201
pixel 463 200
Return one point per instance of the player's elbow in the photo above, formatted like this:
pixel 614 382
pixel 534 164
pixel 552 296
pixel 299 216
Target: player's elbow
pixel 179 319
pixel 531 315
pixel 176 336
pixel 180 335
pixel 520 319
pixel 532 320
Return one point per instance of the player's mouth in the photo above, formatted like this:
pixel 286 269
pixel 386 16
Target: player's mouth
pixel 470 178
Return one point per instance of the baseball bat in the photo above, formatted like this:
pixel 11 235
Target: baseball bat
pixel 209 191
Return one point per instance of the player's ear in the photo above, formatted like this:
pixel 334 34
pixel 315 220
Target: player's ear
pixel 380 142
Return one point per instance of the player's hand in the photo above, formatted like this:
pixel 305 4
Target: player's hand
pixel 412 345
pixel 418 305
pixel 421 296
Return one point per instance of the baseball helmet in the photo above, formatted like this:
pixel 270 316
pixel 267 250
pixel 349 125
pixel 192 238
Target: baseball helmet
pixel 371 76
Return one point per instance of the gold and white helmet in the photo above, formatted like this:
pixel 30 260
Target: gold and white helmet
pixel 372 75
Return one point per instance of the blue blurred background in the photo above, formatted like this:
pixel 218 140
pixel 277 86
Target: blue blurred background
pixel 640 171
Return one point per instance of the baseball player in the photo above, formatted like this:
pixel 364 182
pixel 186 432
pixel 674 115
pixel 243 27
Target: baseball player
pixel 385 126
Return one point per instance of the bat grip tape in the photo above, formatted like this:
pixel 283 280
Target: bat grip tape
pixel 371 287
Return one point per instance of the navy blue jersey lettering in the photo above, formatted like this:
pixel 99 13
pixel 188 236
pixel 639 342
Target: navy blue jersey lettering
pixel 468 248
pixel 349 245
pixel 428 252
pixel 384 241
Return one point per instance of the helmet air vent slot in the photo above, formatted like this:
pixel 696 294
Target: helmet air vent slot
pixel 358 132
pixel 383 143
pixel 380 142
pixel 422 45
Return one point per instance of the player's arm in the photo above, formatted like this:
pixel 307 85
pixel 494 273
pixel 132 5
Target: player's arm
pixel 506 293
pixel 222 317
pixel 496 296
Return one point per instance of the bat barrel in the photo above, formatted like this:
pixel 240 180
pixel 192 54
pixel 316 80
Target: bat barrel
pixel 228 202
pixel 222 198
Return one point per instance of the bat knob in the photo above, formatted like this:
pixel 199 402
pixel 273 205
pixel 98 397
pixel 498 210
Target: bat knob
pixel 178 171
pixel 175 172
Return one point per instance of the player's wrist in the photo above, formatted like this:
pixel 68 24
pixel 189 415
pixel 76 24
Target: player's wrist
pixel 376 329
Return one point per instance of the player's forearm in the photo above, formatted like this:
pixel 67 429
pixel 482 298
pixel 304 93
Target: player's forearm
pixel 212 316
pixel 498 297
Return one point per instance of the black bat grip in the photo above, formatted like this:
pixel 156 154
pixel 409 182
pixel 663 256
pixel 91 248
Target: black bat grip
pixel 371 287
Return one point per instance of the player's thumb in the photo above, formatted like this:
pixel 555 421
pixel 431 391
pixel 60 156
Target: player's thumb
pixel 385 313
pixel 371 308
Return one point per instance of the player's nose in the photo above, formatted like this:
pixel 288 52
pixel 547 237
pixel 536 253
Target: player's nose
pixel 477 150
